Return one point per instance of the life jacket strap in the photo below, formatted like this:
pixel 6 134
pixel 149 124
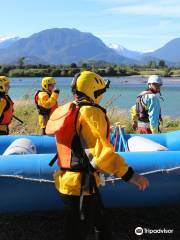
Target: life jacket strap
pixel 93 189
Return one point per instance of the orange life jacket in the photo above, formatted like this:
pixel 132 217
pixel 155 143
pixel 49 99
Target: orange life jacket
pixel 7 114
pixel 71 155
pixel 62 123
pixel 41 110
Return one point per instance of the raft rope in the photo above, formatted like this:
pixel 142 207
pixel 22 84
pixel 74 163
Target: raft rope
pixel 168 170
pixel 26 178
pixel 111 178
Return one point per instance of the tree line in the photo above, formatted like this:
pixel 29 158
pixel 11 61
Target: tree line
pixel 69 70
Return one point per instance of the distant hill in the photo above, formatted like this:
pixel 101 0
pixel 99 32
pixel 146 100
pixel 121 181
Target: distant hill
pixel 7 41
pixel 61 45
pixel 170 52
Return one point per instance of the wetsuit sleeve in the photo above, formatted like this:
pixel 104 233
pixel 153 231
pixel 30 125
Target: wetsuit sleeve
pixel 45 101
pixel 2 106
pixel 99 150
pixel 133 113
pixel 153 106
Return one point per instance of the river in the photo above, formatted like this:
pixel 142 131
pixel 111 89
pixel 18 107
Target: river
pixel 123 91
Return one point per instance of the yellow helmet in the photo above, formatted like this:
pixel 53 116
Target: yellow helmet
pixel 3 81
pixel 46 81
pixel 90 84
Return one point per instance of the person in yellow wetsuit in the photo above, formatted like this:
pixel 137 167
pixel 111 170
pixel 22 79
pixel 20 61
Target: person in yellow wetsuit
pixel 91 148
pixel 6 106
pixel 46 101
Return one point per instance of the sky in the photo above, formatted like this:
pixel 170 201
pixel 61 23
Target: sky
pixel 139 25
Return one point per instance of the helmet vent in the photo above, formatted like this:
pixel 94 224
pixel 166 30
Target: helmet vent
pixel 96 80
pixel 101 81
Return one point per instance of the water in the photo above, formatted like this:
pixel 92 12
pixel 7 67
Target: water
pixel 122 89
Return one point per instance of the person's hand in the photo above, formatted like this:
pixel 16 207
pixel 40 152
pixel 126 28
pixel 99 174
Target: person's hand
pixel 140 181
pixel 134 125
pixel 56 91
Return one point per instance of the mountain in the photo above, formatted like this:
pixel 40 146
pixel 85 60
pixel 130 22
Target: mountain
pixel 61 45
pixel 6 42
pixel 125 52
pixel 65 46
pixel 169 52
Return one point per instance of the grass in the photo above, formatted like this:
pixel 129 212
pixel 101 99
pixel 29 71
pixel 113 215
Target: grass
pixel 27 112
pixel 148 72
pixel 166 72
pixel 120 118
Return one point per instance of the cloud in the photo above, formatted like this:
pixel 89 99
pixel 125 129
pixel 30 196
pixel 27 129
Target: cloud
pixel 134 36
pixel 135 2
pixel 164 8
pixel 114 1
pixel 4 38
pixel 139 24
pixel 139 37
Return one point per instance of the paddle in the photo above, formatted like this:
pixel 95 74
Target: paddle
pixel 19 120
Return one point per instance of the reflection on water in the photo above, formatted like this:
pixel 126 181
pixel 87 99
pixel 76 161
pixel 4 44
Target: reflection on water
pixel 122 89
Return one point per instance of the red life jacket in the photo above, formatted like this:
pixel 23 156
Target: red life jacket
pixel 142 112
pixel 41 110
pixel 62 123
pixel 7 114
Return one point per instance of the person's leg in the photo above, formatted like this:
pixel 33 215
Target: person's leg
pixel 143 130
pixel 42 123
pixel 98 218
pixel 3 133
pixel 74 227
pixel 43 132
pixel 4 129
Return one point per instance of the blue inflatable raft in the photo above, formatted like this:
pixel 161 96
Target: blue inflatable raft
pixel 26 182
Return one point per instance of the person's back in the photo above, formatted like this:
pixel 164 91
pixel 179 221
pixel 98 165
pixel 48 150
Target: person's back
pixel 146 114
pixel 6 106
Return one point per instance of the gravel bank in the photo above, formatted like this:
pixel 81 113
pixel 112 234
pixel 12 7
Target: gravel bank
pixel 48 225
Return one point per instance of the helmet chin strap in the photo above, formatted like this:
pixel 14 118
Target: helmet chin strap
pixel 81 96
pixel 47 90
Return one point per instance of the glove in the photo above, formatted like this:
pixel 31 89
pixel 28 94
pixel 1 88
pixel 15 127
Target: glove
pixel 56 91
